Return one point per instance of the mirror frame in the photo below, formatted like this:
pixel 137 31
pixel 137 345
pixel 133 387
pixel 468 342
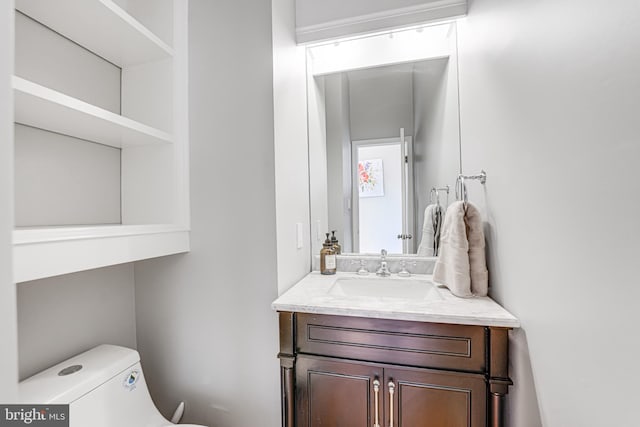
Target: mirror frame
pixel 390 52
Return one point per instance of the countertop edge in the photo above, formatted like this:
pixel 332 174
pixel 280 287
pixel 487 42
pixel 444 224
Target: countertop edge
pixel 416 317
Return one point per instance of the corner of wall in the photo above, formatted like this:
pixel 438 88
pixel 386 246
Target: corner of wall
pixel 290 148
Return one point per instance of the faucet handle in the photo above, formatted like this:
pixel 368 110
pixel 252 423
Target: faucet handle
pixel 403 272
pixel 383 252
pixel 403 265
pixel 362 271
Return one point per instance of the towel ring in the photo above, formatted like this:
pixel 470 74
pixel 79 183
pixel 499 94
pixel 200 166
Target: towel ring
pixel 461 187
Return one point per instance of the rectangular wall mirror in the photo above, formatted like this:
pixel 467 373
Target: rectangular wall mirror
pixel 384 131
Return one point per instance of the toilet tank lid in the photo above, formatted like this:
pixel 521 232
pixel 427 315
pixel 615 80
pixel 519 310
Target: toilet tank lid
pixel 99 365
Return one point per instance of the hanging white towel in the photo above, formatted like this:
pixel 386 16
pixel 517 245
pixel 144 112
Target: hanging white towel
pixel 431 229
pixel 477 257
pixel 426 247
pixel 461 264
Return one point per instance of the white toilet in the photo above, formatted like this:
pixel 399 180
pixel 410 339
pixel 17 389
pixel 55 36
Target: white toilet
pixel 104 387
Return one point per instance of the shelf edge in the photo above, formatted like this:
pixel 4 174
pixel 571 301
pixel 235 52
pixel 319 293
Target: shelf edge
pixel 40 260
pixel 65 101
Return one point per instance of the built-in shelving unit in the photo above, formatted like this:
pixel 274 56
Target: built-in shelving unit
pixel 47 109
pixel 154 162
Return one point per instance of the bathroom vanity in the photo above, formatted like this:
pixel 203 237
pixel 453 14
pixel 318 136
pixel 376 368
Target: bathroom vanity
pixel 412 355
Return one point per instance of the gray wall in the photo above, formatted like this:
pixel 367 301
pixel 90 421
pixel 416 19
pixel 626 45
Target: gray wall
pixel 65 315
pixel 8 332
pixel 381 103
pixel 436 145
pixel 61 180
pixel 550 94
pixel 205 328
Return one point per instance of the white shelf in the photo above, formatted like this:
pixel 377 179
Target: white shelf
pixel 45 108
pixel 47 252
pixel 101 26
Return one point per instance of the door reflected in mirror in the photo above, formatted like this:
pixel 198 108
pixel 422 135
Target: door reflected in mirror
pixel 380 195
pixel 383 131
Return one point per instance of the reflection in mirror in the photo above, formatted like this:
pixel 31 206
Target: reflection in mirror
pixel 383 131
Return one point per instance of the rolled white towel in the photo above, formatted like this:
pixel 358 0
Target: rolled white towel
pixel 428 233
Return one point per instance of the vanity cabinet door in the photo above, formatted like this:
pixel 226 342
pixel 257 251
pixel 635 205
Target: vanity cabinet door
pixel 428 398
pixel 331 393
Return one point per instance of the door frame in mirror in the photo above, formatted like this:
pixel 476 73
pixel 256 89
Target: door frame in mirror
pixel 407 189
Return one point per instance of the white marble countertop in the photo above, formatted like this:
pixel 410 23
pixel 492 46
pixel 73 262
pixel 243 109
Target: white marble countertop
pixel 311 295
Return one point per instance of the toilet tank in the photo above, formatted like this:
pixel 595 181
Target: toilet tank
pixel 104 387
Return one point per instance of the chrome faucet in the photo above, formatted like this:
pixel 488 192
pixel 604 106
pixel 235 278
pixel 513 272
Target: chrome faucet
pixel 383 271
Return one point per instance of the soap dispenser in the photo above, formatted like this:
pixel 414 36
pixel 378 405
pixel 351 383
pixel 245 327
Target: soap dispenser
pixel 328 262
pixel 335 243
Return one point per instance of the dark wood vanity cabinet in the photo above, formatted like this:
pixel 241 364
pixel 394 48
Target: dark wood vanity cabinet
pixel 357 372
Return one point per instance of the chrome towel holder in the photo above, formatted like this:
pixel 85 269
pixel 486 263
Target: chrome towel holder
pixel 461 188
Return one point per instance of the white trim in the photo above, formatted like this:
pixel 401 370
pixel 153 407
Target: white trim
pixel 34 235
pixel 392 18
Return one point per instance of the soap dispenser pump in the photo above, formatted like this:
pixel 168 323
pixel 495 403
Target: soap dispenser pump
pixel 335 243
pixel 328 262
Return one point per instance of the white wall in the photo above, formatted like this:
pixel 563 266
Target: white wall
pixel 290 144
pixel 8 328
pixel 205 327
pixel 550 94
pixel 65 315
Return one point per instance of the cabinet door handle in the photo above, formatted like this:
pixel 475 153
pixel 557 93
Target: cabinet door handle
pixel 392 391
pixel 376 392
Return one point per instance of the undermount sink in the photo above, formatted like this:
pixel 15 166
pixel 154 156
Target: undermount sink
pixel 378 287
